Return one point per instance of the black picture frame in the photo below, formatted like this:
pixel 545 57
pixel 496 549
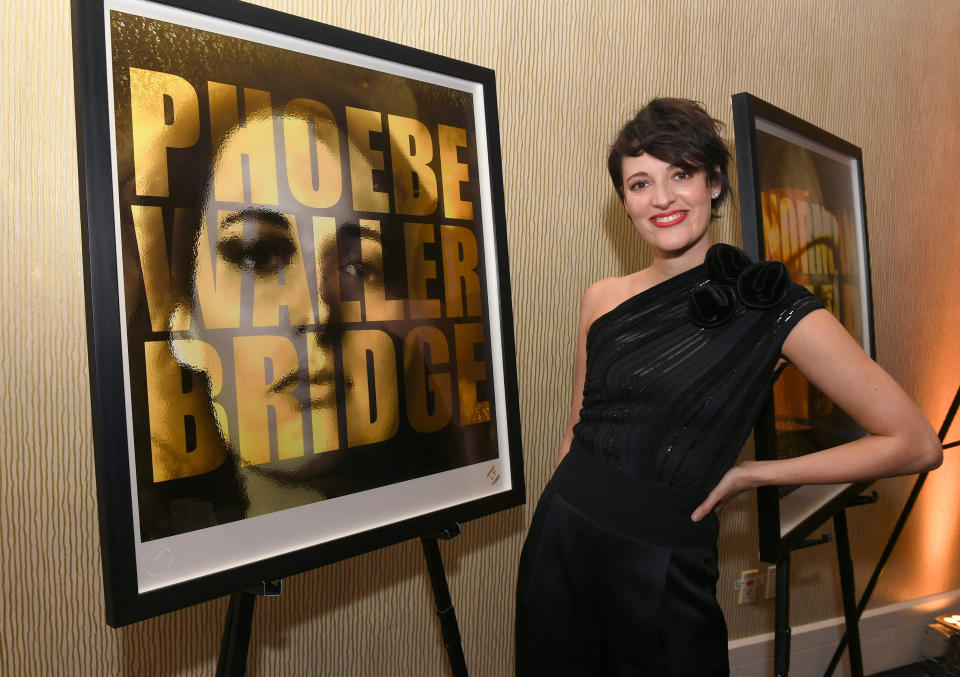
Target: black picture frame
pixel 802 202
pixel 438 497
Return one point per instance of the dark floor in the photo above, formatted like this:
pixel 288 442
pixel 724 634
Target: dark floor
pixel 915 670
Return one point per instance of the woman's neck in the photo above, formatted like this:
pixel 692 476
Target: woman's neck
pixel 668 264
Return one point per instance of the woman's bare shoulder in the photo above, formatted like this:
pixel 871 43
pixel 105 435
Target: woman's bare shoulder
pixel 607 285
pixel 606 294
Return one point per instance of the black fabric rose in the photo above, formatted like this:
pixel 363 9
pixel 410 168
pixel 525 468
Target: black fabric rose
pixel 711 305
pixel 763 285
pixel 734 281
pixel 724 263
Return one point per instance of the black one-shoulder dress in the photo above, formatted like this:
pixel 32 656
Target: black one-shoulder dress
pixel 615 579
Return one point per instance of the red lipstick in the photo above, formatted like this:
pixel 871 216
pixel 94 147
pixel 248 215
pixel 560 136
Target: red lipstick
pixel 668 219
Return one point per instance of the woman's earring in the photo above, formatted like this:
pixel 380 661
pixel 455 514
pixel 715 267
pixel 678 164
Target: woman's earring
pixel 716 195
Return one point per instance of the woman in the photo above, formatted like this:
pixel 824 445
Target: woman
pixel 618 574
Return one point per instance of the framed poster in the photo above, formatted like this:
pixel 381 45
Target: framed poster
pixel 802 203
pixel 298 303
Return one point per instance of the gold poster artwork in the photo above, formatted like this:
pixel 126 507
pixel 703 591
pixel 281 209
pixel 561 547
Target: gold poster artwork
pixel 306 309
pixel 810 224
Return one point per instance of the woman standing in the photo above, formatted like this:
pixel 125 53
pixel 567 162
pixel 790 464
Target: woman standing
pixel 618 573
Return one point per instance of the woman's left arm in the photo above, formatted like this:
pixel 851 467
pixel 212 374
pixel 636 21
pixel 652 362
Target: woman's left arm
pixel 900 440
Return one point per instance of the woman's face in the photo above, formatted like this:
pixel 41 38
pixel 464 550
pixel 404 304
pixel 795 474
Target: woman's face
pixel 669 206
pixel 267 300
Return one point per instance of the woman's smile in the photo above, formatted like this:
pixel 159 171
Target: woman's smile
pixel 667 219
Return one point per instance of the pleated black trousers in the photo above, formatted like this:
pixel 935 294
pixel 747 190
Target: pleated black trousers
pixel 616 580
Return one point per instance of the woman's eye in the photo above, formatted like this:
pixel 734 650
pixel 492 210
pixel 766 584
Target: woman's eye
pixel 682 176
pixel 362 270
pixel 264 256
pixel 638 185
pixel 354 269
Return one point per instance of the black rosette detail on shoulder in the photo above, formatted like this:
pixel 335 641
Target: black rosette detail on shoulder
pixel 710 305
pixel 763 285
pixel 725 262
pixel 735 281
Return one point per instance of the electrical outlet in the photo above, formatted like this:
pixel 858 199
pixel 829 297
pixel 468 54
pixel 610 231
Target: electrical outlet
pixel 746 586
pixel 770 587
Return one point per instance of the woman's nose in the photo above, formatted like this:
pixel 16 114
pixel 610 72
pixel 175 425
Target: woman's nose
pixel 332 309
pixel 662 195
pixel 329 322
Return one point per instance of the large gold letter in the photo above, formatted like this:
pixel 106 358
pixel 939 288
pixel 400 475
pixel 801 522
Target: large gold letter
pixel 254 139
pixel 363 160
pixel 771 225
pixel 255 396
pixel 217 293
pixel 453 172
pixel 152 134
pixel 421 384
pixel 376 306
pixel 469 371
pixel 372 415
pixel 411 150
pixel 460 260
pixel 312 150
pixel 328 273
pixel 163 274
pixel 788 223
pixel 285 287
pixel 323 407
pixel 173 409
pixel 419 270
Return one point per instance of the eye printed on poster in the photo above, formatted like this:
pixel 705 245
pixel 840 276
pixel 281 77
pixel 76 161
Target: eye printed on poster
pixel 298 305
pixel 802 203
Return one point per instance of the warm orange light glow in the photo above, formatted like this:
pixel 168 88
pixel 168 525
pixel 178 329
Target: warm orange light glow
pixel 937 547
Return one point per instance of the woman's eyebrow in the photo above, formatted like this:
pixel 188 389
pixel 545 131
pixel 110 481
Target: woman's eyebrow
pixel 261 214
pixel 275 218
pixel 357 231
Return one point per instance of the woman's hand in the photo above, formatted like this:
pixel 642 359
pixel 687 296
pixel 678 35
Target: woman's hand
pixel 739 478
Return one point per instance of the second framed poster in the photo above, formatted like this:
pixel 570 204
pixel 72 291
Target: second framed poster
pixel 802 203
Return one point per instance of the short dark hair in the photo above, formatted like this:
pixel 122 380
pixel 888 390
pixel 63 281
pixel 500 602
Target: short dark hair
pixel 680 132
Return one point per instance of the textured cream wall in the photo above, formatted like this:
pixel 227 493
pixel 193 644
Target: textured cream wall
pixel 884 75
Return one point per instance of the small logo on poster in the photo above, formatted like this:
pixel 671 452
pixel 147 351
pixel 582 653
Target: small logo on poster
pixel 159 560
pixel 493 474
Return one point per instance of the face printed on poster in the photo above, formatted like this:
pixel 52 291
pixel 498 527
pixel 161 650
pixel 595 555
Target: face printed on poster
pixel 302 266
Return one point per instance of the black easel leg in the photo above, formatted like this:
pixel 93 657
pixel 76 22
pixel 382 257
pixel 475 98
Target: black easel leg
pixel 781 636
pixel 848 589
pixel 448 619
pixel 236 635
pixel 895 534
pixel 878 569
